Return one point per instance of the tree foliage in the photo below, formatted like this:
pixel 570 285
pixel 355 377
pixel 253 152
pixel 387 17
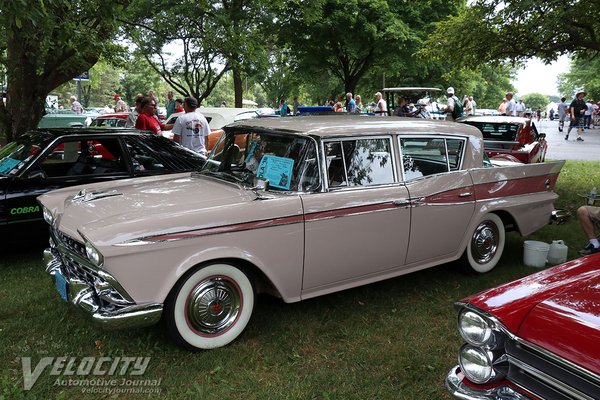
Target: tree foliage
pixel 47 45
pixel 583 74
pixel 536 100
pixel 516 30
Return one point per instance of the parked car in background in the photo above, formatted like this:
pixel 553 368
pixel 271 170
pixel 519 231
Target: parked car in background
pixel 296 207
pixel 64 119
pixel 510 138
pixel 217 118
pixel 43 160
pixel 114 120
pixel 534 338
pixel 486 111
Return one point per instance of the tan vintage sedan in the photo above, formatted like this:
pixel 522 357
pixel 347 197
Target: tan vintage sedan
pixel 296 207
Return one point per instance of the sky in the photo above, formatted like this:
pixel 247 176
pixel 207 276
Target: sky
pixel 540 78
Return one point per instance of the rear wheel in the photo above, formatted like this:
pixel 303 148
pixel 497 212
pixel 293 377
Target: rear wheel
pixel 485 245
pixel 210 307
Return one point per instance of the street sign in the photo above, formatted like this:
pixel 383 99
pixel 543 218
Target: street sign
pixel 84 76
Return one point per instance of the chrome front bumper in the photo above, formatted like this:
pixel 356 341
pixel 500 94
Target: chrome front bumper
pixel 456 387
pixel 96 292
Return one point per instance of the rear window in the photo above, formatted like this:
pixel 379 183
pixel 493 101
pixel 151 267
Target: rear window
pixel 496 131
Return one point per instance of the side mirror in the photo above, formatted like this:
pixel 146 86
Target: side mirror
pixel 38 174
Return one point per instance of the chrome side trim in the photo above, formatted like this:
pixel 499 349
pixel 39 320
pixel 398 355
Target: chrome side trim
pixel 456 387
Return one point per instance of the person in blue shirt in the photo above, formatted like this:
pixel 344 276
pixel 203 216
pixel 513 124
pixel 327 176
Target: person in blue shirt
pixel 283 108
pixel 350 103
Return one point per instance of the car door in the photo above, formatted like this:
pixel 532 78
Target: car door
pixel 73 160
pixel 441 195
pixel 358 228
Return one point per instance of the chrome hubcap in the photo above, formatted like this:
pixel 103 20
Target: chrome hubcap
pixel 484 242
pixel 213 306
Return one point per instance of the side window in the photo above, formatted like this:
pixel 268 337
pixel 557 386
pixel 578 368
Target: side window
pixel 84 157
pixel 429 156
pixel 143 160
pixel 359 162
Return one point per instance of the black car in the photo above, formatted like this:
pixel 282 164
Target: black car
pixel 44 160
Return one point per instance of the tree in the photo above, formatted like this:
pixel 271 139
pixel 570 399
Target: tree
pixel 209 38
pixel 352 39
pixel 516 30
pixel 583 74
pixel 536 100
pixel 47 45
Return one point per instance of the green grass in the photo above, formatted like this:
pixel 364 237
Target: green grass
pixel 390 340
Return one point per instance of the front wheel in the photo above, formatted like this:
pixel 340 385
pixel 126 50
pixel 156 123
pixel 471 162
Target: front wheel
pixel 485 245
pixel 209 307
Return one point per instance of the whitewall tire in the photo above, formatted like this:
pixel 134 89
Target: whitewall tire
pixel 486 245
pixel 210 307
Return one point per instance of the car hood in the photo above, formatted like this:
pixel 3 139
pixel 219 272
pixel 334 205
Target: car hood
pixel 137 208
pixel 557 309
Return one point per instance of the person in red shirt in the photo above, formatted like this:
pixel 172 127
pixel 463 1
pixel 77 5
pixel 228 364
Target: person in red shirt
pixel 179 105
pixel 147 120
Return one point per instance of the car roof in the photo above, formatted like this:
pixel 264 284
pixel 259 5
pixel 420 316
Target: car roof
pixel 121 115
pixel 353 125
pixel 57 132
pixel 497 119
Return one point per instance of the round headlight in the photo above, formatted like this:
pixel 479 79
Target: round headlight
pixel 48 216
pixel 474 328
pixel 476 364
pixel 93 255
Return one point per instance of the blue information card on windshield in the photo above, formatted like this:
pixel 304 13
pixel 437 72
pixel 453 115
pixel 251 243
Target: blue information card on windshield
pixel 278 170
pixel 8 164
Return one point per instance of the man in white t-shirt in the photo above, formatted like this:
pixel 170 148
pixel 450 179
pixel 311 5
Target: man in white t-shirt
pixel 191 128
pixel 381 107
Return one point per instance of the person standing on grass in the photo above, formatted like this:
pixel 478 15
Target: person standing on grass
pixel 577 112
pixel 147 120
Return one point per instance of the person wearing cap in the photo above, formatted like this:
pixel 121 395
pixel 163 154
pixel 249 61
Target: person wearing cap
pixel 577 110
pixel 147 120
pixel 191 128
pixel 452 99
pixel 381 107
pixel 120 105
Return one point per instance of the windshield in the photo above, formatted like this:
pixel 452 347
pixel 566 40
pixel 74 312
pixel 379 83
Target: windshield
pixel 14 156
pixel 496 131
pixel 277 161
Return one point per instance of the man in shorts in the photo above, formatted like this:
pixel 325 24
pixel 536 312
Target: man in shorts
pixel 577 110
pixel 562 113
pixel 588 216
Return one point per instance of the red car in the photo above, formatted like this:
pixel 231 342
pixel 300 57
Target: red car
pixel 111 120
pixel 534 338
pixel 510 138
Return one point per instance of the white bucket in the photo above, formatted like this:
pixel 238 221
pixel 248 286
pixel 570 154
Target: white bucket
pixel 535 253
pixel 558 252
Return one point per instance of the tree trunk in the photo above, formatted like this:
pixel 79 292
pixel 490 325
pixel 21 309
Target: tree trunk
pixel 237 87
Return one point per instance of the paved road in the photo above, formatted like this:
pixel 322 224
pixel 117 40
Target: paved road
pixel 561 149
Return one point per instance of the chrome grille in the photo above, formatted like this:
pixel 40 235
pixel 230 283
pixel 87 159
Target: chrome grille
pixel 71 243
pixel 549 376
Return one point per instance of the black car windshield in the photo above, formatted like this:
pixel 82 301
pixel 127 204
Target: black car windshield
pixel 496 131
pixel 15 155
pixel 279 161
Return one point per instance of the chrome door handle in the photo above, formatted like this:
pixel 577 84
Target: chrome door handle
pixel 401 202
pixel 465 194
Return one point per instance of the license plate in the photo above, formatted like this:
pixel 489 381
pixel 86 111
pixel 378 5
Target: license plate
pixel 62 286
